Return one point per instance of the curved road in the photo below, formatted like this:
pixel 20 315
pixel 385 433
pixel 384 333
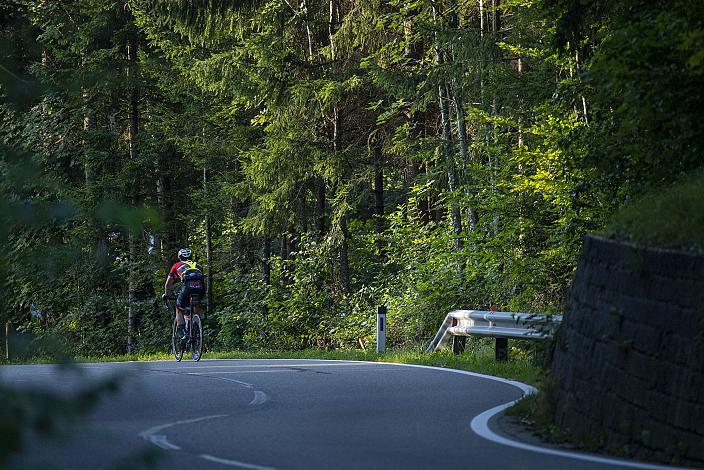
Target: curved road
pixel 284 414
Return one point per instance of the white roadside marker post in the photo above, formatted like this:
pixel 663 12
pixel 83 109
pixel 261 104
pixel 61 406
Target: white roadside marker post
pixel 381 329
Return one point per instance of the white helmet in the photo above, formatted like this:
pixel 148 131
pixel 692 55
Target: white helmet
pixel 184 254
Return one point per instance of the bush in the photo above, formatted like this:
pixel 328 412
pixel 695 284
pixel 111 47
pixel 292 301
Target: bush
pixel 667 217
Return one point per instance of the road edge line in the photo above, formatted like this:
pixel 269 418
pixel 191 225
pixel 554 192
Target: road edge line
pixel 480 425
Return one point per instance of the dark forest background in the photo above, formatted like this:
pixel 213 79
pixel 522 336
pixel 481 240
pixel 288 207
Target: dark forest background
pixel 323 158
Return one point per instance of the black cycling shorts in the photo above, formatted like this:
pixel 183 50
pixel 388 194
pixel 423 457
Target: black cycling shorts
pixel 193 285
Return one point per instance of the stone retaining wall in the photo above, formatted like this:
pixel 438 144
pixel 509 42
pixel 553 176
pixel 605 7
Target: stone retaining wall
pixel 629 359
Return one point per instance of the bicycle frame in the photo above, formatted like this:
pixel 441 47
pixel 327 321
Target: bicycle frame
pixel 194 332
pixel 188 312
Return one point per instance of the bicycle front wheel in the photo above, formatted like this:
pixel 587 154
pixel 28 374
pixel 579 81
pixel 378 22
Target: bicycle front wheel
pixel 196 338
pixel 176 343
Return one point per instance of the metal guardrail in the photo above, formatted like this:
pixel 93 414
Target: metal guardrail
pixel 499 325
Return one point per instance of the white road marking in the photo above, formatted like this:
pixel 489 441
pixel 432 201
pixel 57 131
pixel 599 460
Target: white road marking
pixel 272 371
pixel 161 440
pixel 480 426
pixel 244 366
pixel 244 384
pixel 244 372
pixel 259 398
pixel 234 463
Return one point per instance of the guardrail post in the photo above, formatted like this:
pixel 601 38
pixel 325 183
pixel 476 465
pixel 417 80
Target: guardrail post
pixel 381 329
pixel 458 344
pixel 501 349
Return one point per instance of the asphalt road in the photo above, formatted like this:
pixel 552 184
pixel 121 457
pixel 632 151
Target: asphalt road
pixel 281 414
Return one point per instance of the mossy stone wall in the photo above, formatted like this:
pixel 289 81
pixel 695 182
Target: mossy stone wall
pixel 629 359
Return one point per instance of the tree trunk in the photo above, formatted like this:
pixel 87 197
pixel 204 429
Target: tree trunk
pixel 87 129
pixel 379 200
pixel 343 254
pixel 449 160
pixel 489 22
pixel 266 260
pixel 208 250
pixel 333 17
pixel 266 267
pixel 482 22
pixel 302 209
pixel 417 123
pixel 133 126
pixel 162 240
pixel 495 16
pixel 344 260
pixel 342 222
pixel 285 255
pixel 131 313
pixel 582 97
pixel 446 147
pixel 132 130
pixel 309 33
pixel 409 175
pixel 464 146
pixel 320 207
pixel 426 203
pixel 285 249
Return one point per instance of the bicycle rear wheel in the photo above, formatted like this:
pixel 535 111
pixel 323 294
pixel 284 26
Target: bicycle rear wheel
pixel 196 338
pixel 176 343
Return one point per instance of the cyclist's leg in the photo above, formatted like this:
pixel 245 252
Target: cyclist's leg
pixel 182 301
pixel 179 317
pixel 196 293
pixel 196 288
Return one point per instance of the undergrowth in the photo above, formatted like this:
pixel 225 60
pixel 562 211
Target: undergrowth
pixel 671 219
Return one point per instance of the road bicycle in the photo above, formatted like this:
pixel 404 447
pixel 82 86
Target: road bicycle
pixel 193 342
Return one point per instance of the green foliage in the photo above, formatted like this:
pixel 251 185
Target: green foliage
pixel 240 325
pixel 43 413
pixel 426 282
pixel 650 65
pixel 424 156
pixel 669 219
pixel 34 219
pixel 538 412
pixel 479 357
pixel 276 121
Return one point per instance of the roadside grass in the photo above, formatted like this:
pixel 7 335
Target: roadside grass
pixel 672 218
pixel 478 357
pixel 537 413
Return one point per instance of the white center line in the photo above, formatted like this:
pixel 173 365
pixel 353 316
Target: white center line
pixel 259 398
pixel 207 374
pixel 244 366
pixel 234 463
pixel 225 372
pixel 161 440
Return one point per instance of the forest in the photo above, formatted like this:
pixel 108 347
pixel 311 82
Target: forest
pixel 326 157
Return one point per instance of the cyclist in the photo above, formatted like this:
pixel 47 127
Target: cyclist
pixel 190 274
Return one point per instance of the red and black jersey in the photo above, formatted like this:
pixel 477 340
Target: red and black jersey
pixel 179 269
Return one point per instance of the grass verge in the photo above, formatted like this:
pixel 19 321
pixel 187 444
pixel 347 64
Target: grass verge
pixel 478 357
pixel 537 413
pixel 672 218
